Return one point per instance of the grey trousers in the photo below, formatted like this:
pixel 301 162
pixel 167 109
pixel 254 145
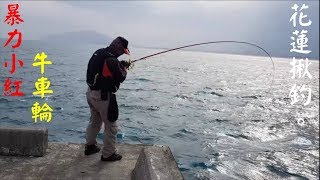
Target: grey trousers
pixel 99 115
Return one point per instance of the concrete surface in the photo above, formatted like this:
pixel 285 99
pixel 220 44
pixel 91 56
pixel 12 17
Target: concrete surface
pixel 23 141
pixel 156 162
pixel 67 161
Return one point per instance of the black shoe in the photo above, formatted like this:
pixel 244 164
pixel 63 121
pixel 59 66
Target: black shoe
pixel 113 157
pixel 91 149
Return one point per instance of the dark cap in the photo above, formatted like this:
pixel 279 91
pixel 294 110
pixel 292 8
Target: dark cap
pixel 119 46
pixel 124 42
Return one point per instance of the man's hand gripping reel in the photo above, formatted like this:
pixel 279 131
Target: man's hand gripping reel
pixel 127 64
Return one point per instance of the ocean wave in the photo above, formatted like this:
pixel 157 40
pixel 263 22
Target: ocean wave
pixel 209 93
pixel 283 172
pixel 4 100
pixel 237 136
pixel 184 97
pixel 251 97
pixel 204 165
pixel 153 108
pixel 142 79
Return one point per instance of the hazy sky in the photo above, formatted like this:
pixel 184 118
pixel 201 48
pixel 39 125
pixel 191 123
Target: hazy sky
pixel 166 24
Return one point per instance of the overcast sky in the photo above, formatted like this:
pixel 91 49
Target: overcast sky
pixel 166 24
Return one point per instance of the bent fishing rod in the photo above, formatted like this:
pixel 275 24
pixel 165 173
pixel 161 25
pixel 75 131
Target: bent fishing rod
pixel 198 44
pixel 212 42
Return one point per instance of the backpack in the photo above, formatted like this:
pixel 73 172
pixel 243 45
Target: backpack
pixel 95 80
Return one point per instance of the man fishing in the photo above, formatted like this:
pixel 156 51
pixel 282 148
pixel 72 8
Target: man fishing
pixel 104 75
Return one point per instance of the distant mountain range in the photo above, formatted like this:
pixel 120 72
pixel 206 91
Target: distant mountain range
pixel 79 37
pixel 282 50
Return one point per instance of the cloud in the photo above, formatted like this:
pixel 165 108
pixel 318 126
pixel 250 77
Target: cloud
pixel 165 23
pixel 49 17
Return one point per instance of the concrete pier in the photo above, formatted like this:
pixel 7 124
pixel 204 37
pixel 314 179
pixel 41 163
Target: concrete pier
pixel 23 141
pixel 67 161
pixel 156 162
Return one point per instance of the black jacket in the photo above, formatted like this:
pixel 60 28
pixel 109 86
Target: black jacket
pixel 104 71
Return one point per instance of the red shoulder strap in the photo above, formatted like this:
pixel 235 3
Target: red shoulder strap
pixel 106 71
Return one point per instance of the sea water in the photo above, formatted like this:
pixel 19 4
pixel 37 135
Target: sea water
pixel 224 116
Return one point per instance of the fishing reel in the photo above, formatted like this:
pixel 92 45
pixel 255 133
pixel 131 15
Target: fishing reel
pixel 128 64
pixel 131 64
